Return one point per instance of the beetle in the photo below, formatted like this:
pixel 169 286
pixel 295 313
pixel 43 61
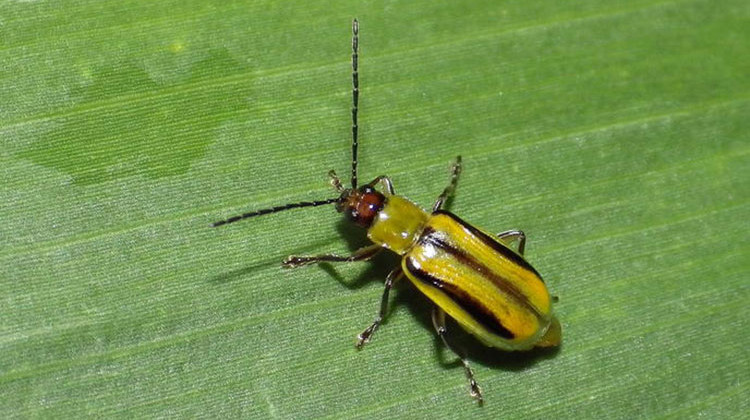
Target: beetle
pixel 478 280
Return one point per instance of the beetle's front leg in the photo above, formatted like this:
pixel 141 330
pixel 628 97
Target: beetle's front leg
pixel 363 338
pixel 362 254
pixel 438 321
pixel 387 183
pixel 510 236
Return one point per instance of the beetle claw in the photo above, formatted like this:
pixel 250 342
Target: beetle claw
pixel 364 338
pixel 476 392
pixel 361 341
pixel 294 261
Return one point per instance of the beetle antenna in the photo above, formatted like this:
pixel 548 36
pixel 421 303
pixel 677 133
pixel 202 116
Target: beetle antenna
pixel 274 210
pixel 355 98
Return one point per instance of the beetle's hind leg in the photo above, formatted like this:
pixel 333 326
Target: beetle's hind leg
pixel 438 321
pixel 451 186
pixel 362 254
pixel 393 276
pixel 510 236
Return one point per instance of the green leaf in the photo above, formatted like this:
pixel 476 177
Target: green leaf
pixel 615 134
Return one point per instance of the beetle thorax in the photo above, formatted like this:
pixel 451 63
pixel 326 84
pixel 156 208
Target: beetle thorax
pixel 398 224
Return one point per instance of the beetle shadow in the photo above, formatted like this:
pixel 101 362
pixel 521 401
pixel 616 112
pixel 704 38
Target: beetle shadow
pixel 475 351
pixel 276 261
pixel 233 275
pixel 421 309
pixel 378 267
pixel 355 239
pixel 418 305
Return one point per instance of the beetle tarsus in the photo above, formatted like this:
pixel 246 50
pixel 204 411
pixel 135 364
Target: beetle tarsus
pixel 474 389
pixel 393 276
pixel 294 261
pixel 365 336
pixel 451 188
pixel 438 321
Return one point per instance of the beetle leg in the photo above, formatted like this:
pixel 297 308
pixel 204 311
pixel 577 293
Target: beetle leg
pixel 510 236
pixel 362 254
pixel 451 186
pixel 387 183
pixel 438 321
pixel 364 338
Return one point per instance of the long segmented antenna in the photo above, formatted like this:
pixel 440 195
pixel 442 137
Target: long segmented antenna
pixel 355 99
pixel 335 181
pixel 274 210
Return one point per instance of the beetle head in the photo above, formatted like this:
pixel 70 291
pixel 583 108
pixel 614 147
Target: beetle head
pixel 361 205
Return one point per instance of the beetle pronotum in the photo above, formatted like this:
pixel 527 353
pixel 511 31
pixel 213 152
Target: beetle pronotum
pixel 478 280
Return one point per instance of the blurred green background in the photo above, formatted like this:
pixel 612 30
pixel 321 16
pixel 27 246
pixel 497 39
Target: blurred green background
pixel 614 133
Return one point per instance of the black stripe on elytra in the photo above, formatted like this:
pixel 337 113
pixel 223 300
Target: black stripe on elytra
pixel 476 309
pixel 431 237
pixel 494 243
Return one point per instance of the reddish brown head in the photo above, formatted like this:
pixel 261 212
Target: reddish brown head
pixel 361 205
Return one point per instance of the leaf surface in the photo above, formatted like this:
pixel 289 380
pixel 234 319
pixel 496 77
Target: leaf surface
pixel 613 133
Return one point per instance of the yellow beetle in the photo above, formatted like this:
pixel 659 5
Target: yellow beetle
pixel 478 280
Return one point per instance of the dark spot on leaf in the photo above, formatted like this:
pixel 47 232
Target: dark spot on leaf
pixel 124 123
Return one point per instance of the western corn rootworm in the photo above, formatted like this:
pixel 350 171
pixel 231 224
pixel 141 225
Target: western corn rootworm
pixel 475 278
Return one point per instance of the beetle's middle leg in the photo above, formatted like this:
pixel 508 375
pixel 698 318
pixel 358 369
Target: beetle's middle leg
pixel 362 254
pixel 438 321
pixel 451 186
pixel 510 236
pixel 393 276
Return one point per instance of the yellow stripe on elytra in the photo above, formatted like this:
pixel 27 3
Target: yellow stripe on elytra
pixel 484 278
pixel 524 280
pixel 509 312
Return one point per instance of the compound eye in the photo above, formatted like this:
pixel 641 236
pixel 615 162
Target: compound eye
pixel 367 207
